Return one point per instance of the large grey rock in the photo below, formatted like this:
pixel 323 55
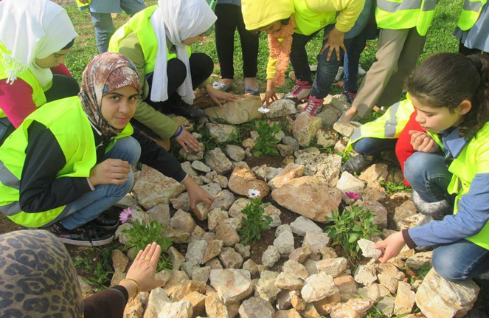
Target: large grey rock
pixel 232 285
pixel 217 160
pixel 310 197
pixel 281 108
pixel 256 307
pixel 318 287
pixel 265 288
pixel 303 225
pixel 237 112
pixel 305 128
pixel 152 188
pixel 437 297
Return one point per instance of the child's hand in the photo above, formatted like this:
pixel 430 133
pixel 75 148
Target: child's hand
pixel 270 94
pixel 196 194
pixel 335 43
pixel 186 139
pixel 391 246
pixel 217 96
pixel 421 141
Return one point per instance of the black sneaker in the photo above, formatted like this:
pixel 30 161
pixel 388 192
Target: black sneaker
pixel 103 221
pixel 187 110
pixel 357 164
pixel 85 235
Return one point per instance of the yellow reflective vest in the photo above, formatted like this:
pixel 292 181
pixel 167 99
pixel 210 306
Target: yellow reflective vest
pixel 308 21
pixel 470 13
pixel 464 168
pixel 140 24
pixel 388 126
pixel 68 122
pixel 37 91
pixel 405 14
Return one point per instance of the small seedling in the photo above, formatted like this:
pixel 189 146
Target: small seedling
pixel 254 220
pixel 264 143
pixel 353 224
pixel 99 270
pixel 140 235
pixel 392 187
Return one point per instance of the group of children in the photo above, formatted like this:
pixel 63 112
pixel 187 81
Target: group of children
pixel 73 151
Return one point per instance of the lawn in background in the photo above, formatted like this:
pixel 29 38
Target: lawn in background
pixel 440 39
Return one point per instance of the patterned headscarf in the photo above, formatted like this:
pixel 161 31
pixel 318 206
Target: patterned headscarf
pixel 105 73
pixel 37 276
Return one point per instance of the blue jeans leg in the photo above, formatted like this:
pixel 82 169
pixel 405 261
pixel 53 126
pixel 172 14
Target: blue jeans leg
pixel 327 70
pixel 429 176
pixel 460 261
pixel 104 28
pixel 372 146
pixel 352 61
pixel 92 204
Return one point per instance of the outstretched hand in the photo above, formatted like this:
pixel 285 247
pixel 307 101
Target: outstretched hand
pixel 143 268
pixel 270 94
pixel 218 96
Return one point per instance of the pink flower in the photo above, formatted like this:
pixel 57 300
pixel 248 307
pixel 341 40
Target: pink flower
pixel 126 214
pixel 352 195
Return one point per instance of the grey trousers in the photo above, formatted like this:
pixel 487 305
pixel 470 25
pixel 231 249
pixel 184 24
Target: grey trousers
pixel 396 57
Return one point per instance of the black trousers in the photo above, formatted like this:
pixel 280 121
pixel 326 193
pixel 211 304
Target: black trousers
pixel 201 67
pixel 230 18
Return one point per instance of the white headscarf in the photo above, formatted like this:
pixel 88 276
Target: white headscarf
pixel 177 20
pixel 32 29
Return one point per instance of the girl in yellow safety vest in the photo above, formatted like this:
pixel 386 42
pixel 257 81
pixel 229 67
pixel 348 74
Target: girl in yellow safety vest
pixel 449 171
pixel 36 36
pixel 290 25
pixel 72 159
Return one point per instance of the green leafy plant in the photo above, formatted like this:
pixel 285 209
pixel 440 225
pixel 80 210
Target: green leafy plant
pixel 266 139
pixel 353 224
pixel 254 220
pixel 392 187
pixel 141 234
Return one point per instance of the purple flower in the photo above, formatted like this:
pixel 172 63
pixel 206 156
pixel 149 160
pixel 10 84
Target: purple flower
pixel 126 214
pixel 352 195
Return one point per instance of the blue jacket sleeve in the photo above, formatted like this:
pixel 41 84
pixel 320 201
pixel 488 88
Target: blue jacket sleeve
pixel 472 216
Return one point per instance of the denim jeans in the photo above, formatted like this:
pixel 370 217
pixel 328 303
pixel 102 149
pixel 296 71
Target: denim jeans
pixel 460 260
pixel 372 146
pixel 429 176
pixel 326 71
pixel 90 205
pixel 104 27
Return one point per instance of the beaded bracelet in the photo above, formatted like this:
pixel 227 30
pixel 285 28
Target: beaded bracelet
pixel 137 286
pixel 179 131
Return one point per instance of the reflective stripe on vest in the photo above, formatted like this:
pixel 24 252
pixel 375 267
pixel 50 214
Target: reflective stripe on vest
pixel 405 14
pixel 38 96
pixel 67 121
pixel 388 126
pixel 309 22
pixel 140 24
pixel 470 14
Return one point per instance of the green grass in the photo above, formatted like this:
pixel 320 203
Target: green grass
pixel 439 39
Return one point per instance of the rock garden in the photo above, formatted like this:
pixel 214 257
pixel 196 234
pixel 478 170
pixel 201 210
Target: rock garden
pixel 288 235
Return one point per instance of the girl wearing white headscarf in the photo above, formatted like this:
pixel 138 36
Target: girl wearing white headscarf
pixel 157 40
pixel 36 36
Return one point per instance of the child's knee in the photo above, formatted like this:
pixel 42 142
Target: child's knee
pixel 447 266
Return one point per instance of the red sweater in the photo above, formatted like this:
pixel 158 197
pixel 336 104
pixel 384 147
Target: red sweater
pixel 16 99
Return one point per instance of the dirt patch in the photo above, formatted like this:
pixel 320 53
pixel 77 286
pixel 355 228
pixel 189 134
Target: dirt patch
pixel 271 161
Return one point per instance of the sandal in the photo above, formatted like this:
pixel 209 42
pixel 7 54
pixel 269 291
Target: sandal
pixel 221 86
pixel 252 90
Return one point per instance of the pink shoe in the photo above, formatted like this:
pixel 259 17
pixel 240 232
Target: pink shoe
pixel 350 96
pixel 300 91
pixel 313 105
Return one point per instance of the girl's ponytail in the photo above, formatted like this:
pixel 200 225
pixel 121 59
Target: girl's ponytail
pixel 447 79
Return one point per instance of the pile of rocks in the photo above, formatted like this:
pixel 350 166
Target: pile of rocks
pixel 217 278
